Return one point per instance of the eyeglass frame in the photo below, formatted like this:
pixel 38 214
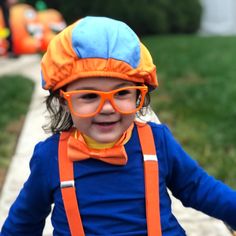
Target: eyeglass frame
pixel 105 95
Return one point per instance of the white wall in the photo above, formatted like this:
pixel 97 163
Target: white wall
pixel 219 17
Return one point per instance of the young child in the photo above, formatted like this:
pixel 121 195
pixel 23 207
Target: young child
pixel 106 173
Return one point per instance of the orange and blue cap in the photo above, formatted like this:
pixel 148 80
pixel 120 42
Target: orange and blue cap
pixel 97 47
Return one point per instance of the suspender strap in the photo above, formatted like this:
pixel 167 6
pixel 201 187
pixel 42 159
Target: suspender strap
pixel 68 188
pixel 151 180
pixel 150 175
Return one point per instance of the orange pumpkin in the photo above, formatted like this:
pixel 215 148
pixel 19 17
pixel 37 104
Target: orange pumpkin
pixel 52 22
pixel 26 30
pixel 3 35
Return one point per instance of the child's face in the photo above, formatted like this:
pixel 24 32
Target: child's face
pixel 108 125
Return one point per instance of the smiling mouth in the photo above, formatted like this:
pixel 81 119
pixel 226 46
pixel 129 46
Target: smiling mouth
pixel 106 123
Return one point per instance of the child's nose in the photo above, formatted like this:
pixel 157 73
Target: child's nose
pixel 107 107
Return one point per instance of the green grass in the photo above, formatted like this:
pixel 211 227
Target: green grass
pixel 197 97
pixel 15 96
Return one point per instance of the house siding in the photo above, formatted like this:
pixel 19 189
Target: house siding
pixel 218 17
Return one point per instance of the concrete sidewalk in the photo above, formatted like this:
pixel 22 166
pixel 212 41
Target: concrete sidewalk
pixel 195 223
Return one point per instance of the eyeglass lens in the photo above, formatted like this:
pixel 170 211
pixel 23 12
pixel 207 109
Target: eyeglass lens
pixel 89 102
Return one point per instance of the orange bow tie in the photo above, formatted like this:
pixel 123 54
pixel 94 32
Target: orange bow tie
pixel 78 150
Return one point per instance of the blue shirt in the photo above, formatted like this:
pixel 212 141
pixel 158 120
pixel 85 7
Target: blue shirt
pixel 111 198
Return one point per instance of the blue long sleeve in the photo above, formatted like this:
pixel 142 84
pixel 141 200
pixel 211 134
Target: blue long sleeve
pixel 27 214
pixel 195 188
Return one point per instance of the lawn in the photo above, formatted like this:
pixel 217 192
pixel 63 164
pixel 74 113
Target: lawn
pixel 197 96
pixel 15 98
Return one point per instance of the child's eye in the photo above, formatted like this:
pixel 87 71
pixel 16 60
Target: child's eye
pixel 88 96
pixel 123 93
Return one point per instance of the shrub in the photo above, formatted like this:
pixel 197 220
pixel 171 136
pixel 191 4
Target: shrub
pixel 144 16
pixel 184 16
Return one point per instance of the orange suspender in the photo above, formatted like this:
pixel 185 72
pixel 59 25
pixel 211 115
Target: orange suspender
pixel 151 183
pixel 66 173
pixel 151 180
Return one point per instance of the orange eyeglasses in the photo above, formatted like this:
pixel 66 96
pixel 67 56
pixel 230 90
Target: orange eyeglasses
pixel 88 103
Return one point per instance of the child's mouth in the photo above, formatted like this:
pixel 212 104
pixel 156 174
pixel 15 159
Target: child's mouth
pixel 106 123
pixel 106 126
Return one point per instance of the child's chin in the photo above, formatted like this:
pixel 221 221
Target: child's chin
pixel 105 138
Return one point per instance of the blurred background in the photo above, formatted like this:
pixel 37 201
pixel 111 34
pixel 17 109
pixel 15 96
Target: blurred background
pixel 27 26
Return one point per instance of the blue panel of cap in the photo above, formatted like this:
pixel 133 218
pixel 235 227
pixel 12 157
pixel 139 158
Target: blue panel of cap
pixel 43 82
pixel 101 37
